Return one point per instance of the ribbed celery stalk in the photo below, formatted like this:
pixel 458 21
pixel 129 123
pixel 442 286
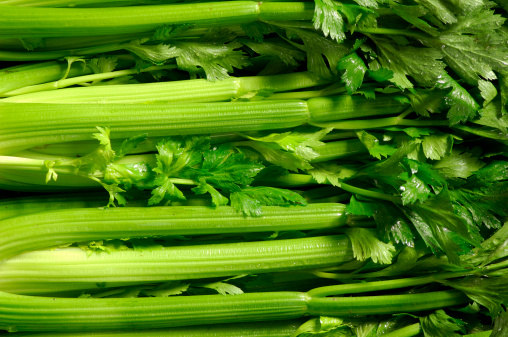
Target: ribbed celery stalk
pixel 23 22
pixel 39 272
pixel 32 124
pixel 198 90
pixel 32 313
pixel 259 329
pixel 53 228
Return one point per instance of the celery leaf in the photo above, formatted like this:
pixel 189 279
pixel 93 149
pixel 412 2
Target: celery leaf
pixel 354 70
pixel 367 245
pixel 250 199
pixel 439 324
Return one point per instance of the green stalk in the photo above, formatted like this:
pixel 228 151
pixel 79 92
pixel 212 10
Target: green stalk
pixel 299 180
pixel 57 54
pixel 384 304
pixel 356 288
pixel 53 228
pixel 12 185
pixel 259 329
pixel 10 208
pixel 22 128
pixel 13 78
pixel 31 313
pixel 47 271
pixel 198 90
pixel 24 22
pixel 62 83
pixel 79 3
pixel 379 123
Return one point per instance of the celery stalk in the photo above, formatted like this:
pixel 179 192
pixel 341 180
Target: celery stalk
pixel 23 22
pixel 32 313
pixel 22 128
pixel 40 272
pixel 53 228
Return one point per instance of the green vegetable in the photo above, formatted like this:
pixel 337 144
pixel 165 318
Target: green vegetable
pixel 52 314
pixel 66 269
pixel 60 227
pixel 339 160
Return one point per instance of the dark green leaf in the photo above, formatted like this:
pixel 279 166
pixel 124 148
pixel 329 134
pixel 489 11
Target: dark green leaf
pixel 459 164
pixel 353 69
pixel 439 324
pixel 490 292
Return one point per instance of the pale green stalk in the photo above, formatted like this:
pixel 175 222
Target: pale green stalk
pixel 32 313
pixel 24 22
pixel 22 128
pixel 47 271
pixel 259 329
pixel 79 80
pixel 53 228
pixel 197 90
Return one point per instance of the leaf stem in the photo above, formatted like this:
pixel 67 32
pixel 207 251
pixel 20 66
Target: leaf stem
pixel 356 288
pixel 370 194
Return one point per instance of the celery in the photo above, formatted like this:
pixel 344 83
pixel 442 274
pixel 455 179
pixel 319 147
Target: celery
pixel 59 227
pixel 28 22
pixel 31 313
pixel 258 329
pixel 199 90
pixel 72 122
pixel 40 272
pixel 29 167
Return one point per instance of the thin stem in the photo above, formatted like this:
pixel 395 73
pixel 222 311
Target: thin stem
pixel 356 288
pixel 370 194
pixel 378 123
